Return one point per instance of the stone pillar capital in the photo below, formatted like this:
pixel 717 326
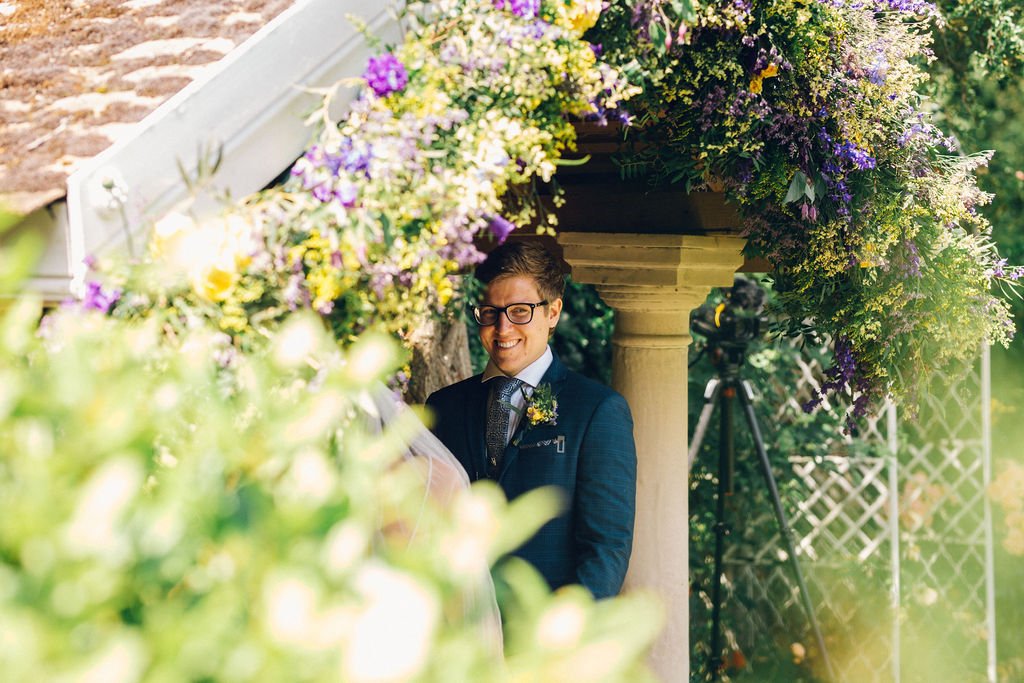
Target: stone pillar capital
pixel 628 259
pixel 652 281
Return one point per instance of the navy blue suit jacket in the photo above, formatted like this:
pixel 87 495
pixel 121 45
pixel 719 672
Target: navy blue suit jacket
pixel 589 453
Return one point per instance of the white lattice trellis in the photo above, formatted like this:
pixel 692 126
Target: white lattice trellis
pixel 919 609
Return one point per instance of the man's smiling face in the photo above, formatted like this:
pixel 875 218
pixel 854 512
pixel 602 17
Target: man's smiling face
pixel 513 347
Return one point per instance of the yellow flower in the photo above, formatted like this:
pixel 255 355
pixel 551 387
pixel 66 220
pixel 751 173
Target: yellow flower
pixel 756 82
pixel 578 15
pixel 445 291
pixel 542 407
pixel 214 283
pixel 208 255
pixel 869 257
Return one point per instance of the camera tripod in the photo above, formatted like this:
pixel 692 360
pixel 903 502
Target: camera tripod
pixel 727 358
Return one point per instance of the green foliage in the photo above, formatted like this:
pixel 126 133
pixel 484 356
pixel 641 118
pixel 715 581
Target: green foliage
pixel 177 509
pixel 978 86
pixel 583 336
pixel 980 43
pixel 19 250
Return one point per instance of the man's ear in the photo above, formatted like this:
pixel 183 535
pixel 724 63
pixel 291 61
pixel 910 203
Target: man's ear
pixel 554 311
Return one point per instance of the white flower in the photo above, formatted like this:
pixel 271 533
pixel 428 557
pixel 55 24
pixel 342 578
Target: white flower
pixel 163 532
pixel 289 602
pixel 468 546
pixel 926 595
pixel 297 341
pixel 94 525
pixel 297 616
pixel 393 633
pixel 120 660
pixel 311 479
pixel 561 626
pixel 172 225
pixel 346 542
pixel 369 358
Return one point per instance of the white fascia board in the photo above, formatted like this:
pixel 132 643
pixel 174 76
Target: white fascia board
pixel 252 104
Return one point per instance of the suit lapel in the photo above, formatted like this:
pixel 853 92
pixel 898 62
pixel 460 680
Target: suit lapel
pixel 476 425
pixel 555 376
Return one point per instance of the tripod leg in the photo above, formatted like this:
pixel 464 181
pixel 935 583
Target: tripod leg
pixel 746 400
pixel 712 394
pixel 711 391
pixel 724 392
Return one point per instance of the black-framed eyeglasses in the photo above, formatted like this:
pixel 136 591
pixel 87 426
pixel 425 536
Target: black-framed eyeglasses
pixel 517 314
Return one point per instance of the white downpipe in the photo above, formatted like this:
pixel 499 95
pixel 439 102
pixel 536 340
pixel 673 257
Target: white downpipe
pixel 986 470
pixel 892 429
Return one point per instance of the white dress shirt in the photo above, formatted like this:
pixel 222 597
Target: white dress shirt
pixel 530 376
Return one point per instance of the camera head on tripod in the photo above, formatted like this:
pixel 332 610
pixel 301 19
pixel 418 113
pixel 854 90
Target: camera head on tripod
pixel 733 324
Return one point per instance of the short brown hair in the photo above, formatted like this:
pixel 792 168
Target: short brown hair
pixel 528 259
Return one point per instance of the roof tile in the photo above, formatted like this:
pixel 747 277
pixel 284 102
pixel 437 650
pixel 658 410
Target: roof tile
pixel 76 76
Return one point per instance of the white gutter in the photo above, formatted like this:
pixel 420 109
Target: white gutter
pixel 252 104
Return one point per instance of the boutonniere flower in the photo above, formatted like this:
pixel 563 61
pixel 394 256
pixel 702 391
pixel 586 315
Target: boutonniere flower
pixel 542 407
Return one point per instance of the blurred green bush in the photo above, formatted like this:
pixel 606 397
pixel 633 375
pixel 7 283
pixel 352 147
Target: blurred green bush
pixel 174 509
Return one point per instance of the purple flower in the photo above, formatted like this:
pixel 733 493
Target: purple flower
pixel 1000 269
pixel 878 70
pixel 860 158
pixel 96 299
pixel 346 193
pixel 911 7
pixel 295 292
pixel 500 228
pixel 385 75
pixel 351 159
pixel 913 265
pixel 838 377
pixel 323 193
pixel 915 7
pixel 599 116
pixel 527 9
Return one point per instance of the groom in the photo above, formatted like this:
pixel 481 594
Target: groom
pixel 527 421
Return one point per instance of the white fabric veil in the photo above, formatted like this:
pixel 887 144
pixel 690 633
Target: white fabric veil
pixel 445 478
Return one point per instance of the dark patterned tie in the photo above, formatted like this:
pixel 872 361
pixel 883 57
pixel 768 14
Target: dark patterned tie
pixel 502 390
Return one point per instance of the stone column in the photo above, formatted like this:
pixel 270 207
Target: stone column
pixel 653 282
